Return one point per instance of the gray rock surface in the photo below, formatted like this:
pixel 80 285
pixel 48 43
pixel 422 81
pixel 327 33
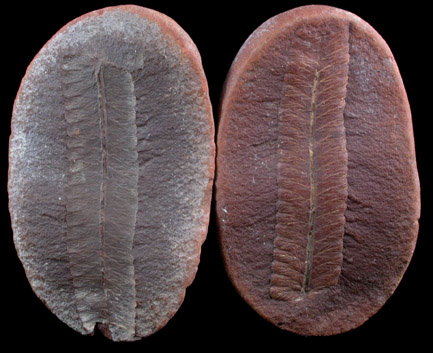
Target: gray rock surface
pixel 111 170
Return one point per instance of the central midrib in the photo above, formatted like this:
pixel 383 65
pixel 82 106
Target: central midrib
pixel 313 182
pixel 102 111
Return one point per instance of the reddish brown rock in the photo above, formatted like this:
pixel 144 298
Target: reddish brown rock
pixel 111 170
pixel 317 191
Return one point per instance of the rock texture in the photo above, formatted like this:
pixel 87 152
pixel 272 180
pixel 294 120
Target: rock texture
pixel 111 171
pixel 317 191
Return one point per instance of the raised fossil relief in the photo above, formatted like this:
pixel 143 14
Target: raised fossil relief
pixel 111 171
pixel 317 191
pixel 312 162
pixel 101 191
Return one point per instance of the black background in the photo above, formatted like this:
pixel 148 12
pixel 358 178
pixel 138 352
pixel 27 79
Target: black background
pixel 213 316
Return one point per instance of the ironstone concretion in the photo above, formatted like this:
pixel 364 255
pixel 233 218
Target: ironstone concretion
pixel 111 166
pixel 317 190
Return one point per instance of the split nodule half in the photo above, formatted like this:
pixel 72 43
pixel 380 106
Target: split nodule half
pixel 317 191
pixel 111 169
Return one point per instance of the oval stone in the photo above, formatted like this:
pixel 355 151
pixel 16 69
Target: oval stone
pixel 111 170
pixel 317 191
